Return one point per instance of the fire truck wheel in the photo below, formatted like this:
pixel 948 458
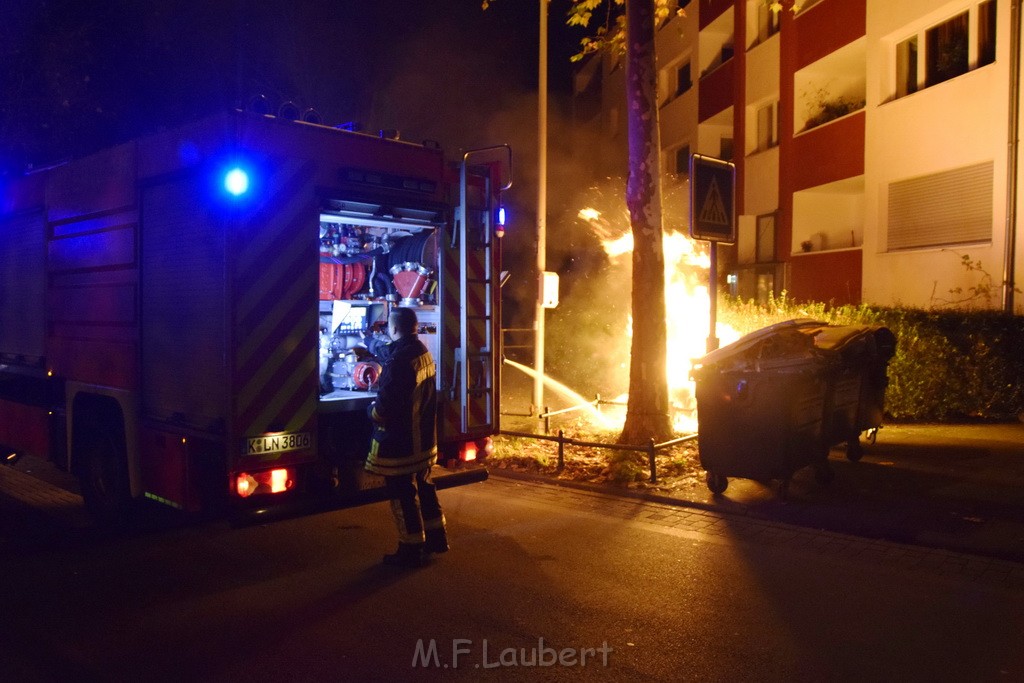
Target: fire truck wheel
pixel 104 480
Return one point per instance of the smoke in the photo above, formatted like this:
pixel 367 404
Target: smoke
pixel 468 80
pixel 467 83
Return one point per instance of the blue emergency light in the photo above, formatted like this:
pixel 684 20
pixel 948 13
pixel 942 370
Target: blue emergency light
pixel 499 228
pixel 236 181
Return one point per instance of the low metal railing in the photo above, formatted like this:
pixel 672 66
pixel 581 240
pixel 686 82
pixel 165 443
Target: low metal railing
pixel 651 448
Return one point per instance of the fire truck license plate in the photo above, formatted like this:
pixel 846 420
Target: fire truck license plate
pixel 277 443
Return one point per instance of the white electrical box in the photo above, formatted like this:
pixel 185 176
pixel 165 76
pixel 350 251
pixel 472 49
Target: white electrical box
pixel 549 289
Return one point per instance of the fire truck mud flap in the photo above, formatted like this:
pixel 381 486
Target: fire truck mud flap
pixel 443 479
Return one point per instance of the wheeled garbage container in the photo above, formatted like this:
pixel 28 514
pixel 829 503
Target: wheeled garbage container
pixel 858 359
pixel 761 406
pixel 779 398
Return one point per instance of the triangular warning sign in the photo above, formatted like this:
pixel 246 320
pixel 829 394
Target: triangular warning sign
pixel 713 210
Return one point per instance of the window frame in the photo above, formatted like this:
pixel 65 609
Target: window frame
pixel 923 71
pixel 771 255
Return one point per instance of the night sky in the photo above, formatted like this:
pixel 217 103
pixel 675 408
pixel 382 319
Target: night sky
pixel 79 75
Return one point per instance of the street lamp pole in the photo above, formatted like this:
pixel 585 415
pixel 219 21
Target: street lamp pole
pixel 542 206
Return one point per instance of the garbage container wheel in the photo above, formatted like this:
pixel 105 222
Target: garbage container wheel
pixel 854 449
pixel 823 473
pixel 716 483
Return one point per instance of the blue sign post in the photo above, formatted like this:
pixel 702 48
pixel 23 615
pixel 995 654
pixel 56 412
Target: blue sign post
pixel 712 217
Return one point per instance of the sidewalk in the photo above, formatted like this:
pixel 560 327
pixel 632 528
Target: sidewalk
pixel 956 487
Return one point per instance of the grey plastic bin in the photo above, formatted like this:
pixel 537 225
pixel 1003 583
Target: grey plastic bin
pixel 761 404
pixel 777 399
pixel 858 359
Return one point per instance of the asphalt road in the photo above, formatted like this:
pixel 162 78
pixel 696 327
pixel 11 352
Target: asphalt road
pixel 541 582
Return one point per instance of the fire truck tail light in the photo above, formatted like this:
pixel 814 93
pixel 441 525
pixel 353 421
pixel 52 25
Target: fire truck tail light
pixel 476 450
pixel 267 481
pixel 246 485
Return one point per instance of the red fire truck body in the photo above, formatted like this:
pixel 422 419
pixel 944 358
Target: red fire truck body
pixel 183 317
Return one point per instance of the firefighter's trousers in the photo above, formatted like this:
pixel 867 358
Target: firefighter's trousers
pixel 415 506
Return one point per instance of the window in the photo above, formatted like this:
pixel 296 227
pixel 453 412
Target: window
pixel 683 79
pixel 767 128
pixel 946 50
pixel 906 67
pixel 725 149
pixel 683 160
pixel 765 239
pixel 986 32
pixel 767 22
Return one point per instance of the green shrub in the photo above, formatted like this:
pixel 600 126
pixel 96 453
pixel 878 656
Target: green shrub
pixel 625 467
pixel 949 364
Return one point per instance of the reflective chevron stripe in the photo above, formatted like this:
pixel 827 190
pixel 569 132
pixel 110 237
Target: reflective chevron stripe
pixel 276 280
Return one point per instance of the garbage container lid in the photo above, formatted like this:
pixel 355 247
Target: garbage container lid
pixel 785 340
pixel 845 339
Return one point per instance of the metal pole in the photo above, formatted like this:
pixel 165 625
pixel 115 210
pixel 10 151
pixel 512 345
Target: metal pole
pixel 542 204
pixel 1010 255
pixel 650 461
pixel 713 297
pixel 561 450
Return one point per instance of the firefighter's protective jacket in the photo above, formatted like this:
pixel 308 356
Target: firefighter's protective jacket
pixel 404 414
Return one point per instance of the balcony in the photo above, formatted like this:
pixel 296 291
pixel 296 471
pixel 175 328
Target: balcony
pixel 716 91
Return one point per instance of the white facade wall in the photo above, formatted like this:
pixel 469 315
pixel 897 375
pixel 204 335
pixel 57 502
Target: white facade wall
pixel 956 123
pixel 677 115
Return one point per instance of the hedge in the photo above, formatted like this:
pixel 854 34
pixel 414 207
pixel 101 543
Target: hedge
pixel 949 364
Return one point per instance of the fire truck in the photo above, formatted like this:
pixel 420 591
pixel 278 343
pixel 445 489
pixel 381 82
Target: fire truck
pixel 189 318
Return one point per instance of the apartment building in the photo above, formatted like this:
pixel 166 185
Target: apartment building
pixel 874 142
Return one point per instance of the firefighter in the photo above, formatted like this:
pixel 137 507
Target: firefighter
pixel 404 445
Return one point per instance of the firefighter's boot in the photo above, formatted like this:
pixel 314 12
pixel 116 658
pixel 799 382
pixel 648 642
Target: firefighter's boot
pixel 437 541
pixel 409 555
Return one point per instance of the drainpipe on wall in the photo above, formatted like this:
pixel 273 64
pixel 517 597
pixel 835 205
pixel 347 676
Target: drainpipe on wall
pixel 1010 248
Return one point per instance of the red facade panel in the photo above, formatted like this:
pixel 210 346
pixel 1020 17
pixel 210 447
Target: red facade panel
pixel 828 153
pixel 716 91
pixel 711 10
pixel 830 276
pixel 825 28
pixel 831 152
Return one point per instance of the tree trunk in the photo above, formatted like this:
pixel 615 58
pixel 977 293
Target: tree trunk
pixel 647 414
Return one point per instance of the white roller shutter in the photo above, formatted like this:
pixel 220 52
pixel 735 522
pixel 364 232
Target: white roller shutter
pixel 952 207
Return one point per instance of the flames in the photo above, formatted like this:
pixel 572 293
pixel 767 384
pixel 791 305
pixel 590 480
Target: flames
pixel 687 304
